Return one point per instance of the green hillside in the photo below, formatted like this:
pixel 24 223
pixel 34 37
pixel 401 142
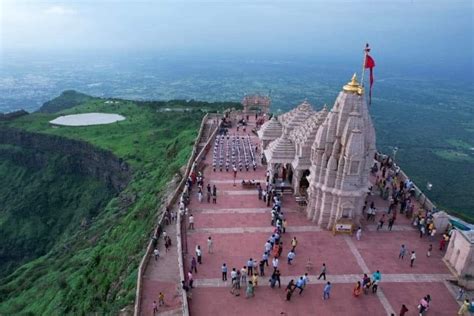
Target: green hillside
pixel 92 267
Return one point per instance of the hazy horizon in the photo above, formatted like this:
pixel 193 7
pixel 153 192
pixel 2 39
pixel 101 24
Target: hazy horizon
pixel 431 32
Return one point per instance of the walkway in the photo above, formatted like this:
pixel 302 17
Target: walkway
pixel 240 224
pixel 163 276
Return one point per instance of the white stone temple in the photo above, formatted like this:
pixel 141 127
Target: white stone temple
pixel 324 155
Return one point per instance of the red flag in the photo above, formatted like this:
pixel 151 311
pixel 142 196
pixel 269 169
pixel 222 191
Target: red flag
pixel 370 64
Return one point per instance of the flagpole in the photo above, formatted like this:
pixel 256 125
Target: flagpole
pixel 363 65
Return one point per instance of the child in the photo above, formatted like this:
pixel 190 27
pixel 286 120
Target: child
pixel 155 308
pixel 161 299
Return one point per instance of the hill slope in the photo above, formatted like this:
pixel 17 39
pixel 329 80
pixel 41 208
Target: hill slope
pixel 92 268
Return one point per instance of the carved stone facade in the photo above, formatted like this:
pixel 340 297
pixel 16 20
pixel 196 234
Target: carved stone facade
pixel 333 150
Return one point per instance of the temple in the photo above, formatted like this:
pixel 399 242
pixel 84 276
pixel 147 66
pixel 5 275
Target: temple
pixel 256 102
pixel 324 155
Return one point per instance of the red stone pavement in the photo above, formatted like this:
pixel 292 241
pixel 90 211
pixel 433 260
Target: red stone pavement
pixel 239 228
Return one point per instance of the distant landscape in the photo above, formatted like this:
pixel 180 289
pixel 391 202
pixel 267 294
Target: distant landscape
pixel 426 113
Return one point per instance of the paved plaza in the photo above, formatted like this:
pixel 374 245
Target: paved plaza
pixel 239 224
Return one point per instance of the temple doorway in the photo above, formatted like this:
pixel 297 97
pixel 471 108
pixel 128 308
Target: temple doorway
pixel 304 184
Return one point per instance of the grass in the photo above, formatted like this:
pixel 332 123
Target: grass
pixel 94 269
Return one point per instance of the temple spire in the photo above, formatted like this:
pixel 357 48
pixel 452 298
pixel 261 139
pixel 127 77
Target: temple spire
pixel 353 86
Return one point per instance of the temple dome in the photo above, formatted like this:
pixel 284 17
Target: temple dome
pixel 297 116
pixel 281 150
pixel 270 130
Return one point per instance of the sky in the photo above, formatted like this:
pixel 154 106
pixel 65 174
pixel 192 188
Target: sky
pixel 432 32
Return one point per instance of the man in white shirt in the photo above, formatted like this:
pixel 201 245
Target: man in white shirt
pixel 275 264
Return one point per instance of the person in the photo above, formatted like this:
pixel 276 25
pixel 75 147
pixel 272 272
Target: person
pixel 272 280
pixel 261 265
pixel 214 194
pixel 461 294
pixel 327 291
pixel 430 248
pixel 464 309
pixel 154 240
pixel 155 308
pixel 294 243
pixel 199 254
pixel 323 272
pixel 377 276
pixel 209 244
pixel 357 289
pixel 285 225
pixel 208 193
pixel 167 243
pixel 412 258
pixel 250 267
pixel 250 290
pixel 403 251
pixel 265 258
pixel 190 279
pixel 305 279
pixel 243 275
pixel 381 222
pixel 255 280
pixel 224 272
pixel 161 299
pixel 289 289
pixel 191 221
pixel 403 310
pixel 235 287
pixel 194 265
pixel 422 306
pixel 184 286
pixel 358 233
pixel 375 286
pixel 275 263
pixel 233 275
pixel 300 284
pixel 391 220
pixel 277 275
pixel 291 256
pixel 156 253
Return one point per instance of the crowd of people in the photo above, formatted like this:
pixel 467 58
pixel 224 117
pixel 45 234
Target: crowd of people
pixel 233 152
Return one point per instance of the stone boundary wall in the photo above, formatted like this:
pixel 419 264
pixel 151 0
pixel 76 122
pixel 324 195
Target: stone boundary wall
pixel 193 164
pixel 170 202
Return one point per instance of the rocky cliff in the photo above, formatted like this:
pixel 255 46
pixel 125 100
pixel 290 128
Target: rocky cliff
pixel 82 157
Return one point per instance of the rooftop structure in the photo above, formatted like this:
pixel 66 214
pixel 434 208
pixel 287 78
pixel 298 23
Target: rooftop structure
pixel 256 102
pixel 270 130
pixel 295 118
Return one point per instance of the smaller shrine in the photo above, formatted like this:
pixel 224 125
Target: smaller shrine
pixel 256 103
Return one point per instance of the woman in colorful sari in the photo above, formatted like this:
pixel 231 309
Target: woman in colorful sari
pixel 357 289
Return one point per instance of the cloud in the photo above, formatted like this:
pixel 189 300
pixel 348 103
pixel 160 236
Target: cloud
pixel 59 10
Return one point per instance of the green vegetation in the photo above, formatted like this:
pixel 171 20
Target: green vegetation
pixel 41 204
pixel 93 268
pixel 430 127
pixel 66 100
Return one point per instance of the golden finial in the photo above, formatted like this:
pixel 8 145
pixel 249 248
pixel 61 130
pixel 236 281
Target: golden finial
pixel 353 86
